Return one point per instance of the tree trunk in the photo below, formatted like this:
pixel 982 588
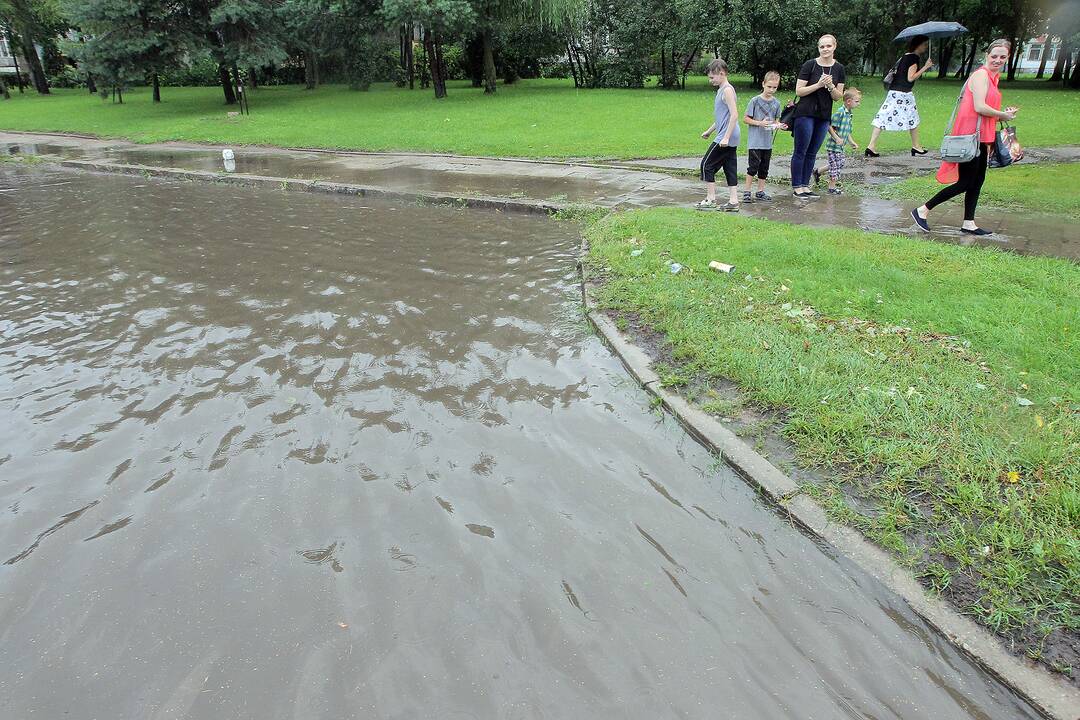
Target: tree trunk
pixel 1068 72
pixel 686 66
pixel 1042 60
pixel 37 73
pixel 1059 66
pixel 157 88
pixel 489 62
pixel 226 84
pixel 15 59
pixel 1074 78
pixel 253 78
pixel 91 86
pixel 945 57
pixel 573 65
pixel 969 67
pixel 311 70
pixel 663 64
pixel 435 63
pixel 3 89
pixel 1014 59
pixel 411 60
pixel 120 95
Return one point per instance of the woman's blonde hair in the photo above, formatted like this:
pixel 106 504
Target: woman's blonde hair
pixel 1000 42
pixel 831 37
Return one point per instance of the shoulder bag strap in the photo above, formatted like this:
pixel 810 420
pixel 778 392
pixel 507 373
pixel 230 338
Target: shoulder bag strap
pixel 956 108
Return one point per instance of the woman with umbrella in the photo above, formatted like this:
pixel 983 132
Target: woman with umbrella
pixel 979 112
pixel 899 111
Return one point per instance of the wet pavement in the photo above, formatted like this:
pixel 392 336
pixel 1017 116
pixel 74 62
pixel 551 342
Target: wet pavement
pixel 290 455
pixel 561 183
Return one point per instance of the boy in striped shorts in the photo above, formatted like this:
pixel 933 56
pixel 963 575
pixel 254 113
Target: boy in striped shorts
pixel 840 135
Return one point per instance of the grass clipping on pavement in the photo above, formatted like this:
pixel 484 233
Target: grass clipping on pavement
pixel 934 387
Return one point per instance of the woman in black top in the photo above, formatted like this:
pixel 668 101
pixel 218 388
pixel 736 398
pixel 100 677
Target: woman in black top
pixel 821 81
pixel 899 112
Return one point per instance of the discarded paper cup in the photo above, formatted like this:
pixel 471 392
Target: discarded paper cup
pixel 721 267
pixel 227 154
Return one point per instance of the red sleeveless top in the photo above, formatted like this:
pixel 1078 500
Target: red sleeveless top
pixel 967 120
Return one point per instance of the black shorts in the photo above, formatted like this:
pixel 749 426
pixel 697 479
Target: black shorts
pixel 758 164
pixel 717 157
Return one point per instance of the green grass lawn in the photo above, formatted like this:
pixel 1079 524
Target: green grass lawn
pixel 531 118
pixel 1049 188
pixel 937 384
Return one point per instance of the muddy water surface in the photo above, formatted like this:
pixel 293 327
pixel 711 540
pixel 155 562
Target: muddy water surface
pixel 278 455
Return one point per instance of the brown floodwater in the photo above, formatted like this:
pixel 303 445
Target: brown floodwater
pixel 285 455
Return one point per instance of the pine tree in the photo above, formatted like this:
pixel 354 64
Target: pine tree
pixel 127 40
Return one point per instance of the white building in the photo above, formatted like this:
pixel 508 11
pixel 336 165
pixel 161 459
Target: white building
pixel 1033 51
pixel 8 60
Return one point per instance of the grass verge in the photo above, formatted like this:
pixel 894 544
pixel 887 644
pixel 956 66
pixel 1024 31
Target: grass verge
pixel 935 387
pixel 1049 188
pixel 531 118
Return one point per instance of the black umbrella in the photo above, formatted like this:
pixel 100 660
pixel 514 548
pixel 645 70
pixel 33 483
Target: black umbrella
pixel 932 29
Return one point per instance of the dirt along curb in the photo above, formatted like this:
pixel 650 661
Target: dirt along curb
pixel 1051 695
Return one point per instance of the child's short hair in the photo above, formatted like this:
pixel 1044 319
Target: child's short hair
pixel 716 66
pixel 852 93
pixel 771 75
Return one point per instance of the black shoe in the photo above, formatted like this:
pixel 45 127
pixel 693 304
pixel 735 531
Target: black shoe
pixel 811 194
pixel 920 221
pixel 915 152
pixel 870 153
pixel 977 231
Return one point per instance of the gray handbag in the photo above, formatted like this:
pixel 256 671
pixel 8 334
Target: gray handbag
pixel 959 148
pixel 887 81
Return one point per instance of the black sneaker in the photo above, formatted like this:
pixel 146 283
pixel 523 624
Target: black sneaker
pixel 811 194
pixel 977 231
pixel 920 221
pixel 747 198
pixel 836 191
pixel 762 196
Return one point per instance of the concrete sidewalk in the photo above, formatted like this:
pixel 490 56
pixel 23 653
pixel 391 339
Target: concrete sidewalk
pixel 546 185
pixel 859 168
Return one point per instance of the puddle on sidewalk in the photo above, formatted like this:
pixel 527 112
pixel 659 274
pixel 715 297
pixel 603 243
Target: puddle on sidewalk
pixel 1022 232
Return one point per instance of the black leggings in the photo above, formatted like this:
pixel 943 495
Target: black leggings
pixel 972 175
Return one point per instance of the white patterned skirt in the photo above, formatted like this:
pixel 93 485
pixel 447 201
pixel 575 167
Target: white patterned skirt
pixel 898 112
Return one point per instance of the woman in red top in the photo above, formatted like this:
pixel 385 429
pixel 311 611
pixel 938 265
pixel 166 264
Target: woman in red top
pixel 980 108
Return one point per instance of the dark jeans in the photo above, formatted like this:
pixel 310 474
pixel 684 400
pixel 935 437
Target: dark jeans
pixel 972 175
pixel 809 134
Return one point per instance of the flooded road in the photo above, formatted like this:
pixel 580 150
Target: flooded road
pixel 286 455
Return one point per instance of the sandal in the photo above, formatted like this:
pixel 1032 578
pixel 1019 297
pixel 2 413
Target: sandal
pixel 706 205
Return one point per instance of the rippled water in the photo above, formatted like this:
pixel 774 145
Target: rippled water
pixel 277 455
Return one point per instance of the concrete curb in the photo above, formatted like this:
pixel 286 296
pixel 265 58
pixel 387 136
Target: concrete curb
pixel 544 207
pixel 1051 695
